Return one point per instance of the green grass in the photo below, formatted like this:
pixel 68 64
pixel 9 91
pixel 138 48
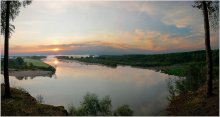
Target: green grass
pixel 177 70
pixel 27 64
pixel 37 63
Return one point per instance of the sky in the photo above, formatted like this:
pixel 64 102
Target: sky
pixel 89 27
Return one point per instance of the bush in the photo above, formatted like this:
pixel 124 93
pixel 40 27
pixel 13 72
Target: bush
pixel 195 77
pixel 105 106
pixel 71 110
pixel 123 110
pixel 92 106
pixel 19 61
pixel 31 66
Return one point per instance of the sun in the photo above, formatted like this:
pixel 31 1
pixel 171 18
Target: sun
pixel 56 49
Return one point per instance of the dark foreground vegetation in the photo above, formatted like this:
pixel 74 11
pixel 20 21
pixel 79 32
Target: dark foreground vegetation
pixel 28 63
pixel 187 95
pixel 36 57
pixel 23 104
pixel 173 63
pixel 195 103
pixel 93 106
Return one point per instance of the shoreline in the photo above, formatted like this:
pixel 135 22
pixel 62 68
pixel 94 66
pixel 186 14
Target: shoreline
pixel 162 69
pixel 29 73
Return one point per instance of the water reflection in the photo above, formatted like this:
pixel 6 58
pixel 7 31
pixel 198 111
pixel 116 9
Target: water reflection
pixel 25 75
pixel 145 91
pixel 55 62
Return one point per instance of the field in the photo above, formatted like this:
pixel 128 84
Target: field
pixel 36 62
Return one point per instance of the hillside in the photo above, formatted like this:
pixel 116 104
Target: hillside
pixel 23 104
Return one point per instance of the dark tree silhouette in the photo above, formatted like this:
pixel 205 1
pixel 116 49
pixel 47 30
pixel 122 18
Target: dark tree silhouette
pixel 9 10
pixel 210 11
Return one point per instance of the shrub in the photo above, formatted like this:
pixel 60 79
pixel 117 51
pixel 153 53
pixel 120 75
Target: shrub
pixel 31 66
pixel 92 105
pixel 123 110
pixel 105 106
pixel 71 110
pixel 195 77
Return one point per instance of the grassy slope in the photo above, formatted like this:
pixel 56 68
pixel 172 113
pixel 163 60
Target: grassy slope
pixel 38 63
pixel 23 104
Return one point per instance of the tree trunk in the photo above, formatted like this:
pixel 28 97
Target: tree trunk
pixel 208 49
pixel 7 85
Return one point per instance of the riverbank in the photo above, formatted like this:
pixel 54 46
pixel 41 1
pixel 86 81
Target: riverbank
pixel 30 73
pixel 190 65
pixel 172 63
pixel 196 104
pixel 23 104
pixel 22 67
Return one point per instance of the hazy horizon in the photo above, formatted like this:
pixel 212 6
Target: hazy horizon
pixel 110 28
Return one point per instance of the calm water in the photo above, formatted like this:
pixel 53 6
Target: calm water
pixel 145 91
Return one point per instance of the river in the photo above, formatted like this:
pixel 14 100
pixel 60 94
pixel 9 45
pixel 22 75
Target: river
pixel 145 91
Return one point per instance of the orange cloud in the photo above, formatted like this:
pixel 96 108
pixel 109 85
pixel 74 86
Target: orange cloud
pixel 138 39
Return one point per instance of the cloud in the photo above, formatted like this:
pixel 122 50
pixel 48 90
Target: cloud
pixel 127 27
pixel 136 42
pixel 139 34
pixel 183 17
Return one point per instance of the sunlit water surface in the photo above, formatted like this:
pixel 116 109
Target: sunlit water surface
pixel 145 91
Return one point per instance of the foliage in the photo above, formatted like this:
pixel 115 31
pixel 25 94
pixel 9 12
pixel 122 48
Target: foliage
pixel 92 106
pixel 213 11
pixel 35 57
pixel 14 11
pixel 72 110
pixel 176 70
pixel 194 79
pixel 25 64
pixel 172 64
pixel 105 106
pixel 123 110
pixel 146 61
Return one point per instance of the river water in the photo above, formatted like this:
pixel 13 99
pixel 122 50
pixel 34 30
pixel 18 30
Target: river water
pixel 145 91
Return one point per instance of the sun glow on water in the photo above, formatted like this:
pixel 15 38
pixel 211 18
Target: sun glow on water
pixel 55 62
